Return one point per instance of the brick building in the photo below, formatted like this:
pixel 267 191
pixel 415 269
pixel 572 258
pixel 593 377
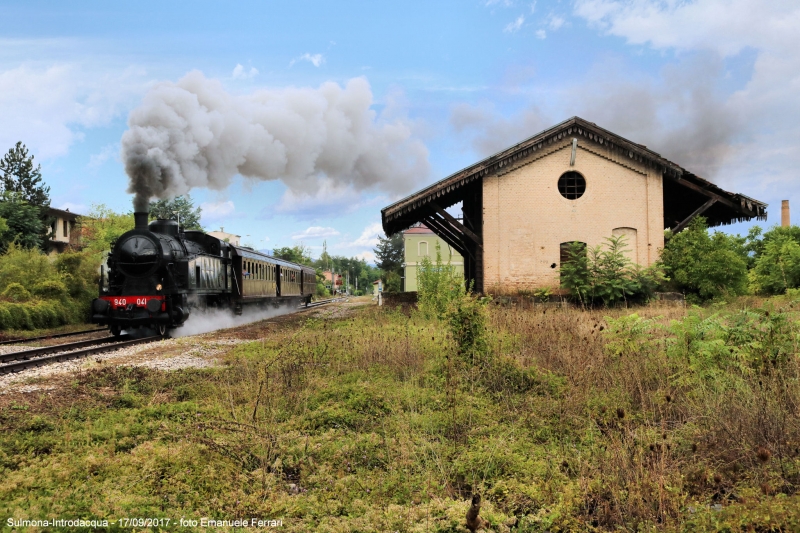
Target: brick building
pixel 573 182
pixel 419 242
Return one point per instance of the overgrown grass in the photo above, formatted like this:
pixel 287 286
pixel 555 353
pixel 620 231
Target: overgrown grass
pixel 575 422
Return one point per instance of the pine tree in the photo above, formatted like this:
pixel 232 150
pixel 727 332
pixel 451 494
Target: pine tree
pixel 19 176
pixel 20 180
pixel 390 253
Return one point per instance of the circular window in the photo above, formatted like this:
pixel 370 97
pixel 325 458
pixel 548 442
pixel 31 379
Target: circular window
pixel 571 185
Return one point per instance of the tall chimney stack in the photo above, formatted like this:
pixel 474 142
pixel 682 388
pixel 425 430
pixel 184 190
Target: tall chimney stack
pixel 785 222
pixel 140 218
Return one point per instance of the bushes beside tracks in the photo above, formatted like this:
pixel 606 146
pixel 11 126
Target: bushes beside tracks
pixel 39 291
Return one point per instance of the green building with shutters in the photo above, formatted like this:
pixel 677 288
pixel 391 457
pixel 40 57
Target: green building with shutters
pixel 419 242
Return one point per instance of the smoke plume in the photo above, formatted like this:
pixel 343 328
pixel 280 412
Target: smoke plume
pixel 194 133
pixel 215 319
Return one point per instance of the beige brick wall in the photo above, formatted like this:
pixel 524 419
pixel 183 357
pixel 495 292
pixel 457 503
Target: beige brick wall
pixel 526 219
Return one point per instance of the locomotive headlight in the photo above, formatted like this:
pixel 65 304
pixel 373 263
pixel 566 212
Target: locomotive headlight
pixel 158 287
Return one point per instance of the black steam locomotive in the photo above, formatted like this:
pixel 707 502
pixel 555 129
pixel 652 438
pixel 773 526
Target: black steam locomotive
pixel 157 275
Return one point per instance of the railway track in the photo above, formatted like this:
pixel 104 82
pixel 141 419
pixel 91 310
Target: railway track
pixel 17 361
pixel 48 337
pixel 324 302
pixel 65 352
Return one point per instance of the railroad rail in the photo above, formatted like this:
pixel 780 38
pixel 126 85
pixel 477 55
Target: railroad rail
pixel 56 336
pixel 75 350
pixel 64 352
pixel 324 302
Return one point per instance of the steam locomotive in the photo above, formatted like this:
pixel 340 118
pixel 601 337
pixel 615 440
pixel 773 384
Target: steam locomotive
pixel 157 275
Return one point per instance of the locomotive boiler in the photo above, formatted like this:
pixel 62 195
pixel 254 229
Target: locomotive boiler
pixel 157 275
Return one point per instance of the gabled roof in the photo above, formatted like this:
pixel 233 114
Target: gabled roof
pixel 61 213
pixel 681 197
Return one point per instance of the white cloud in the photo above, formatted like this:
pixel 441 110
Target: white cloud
pixel 314 59
pixel 369 237
pixel 46 106
pixel 761 152
pixel 315 232
pixel 107 152
pixel 216 211
pixel 541 34
pixel 726 26
pixel 367 256
pixel 514 27
pixel 239 72
pixel 555 22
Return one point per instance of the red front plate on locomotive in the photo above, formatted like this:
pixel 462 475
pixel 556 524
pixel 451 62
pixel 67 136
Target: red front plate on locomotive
pixel 122 302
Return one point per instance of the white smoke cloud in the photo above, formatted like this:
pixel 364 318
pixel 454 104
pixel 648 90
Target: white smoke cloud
pixel 214 319
pixel 194 133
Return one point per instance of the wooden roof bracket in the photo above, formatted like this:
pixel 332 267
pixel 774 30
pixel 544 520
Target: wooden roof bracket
pixel 458 226
pixel 697 212
pixel 718 198
pixel 444 233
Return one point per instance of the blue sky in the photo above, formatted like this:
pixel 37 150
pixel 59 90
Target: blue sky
pixel 710 84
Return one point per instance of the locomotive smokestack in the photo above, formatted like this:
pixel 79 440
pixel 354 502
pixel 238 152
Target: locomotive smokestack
pixel 140 217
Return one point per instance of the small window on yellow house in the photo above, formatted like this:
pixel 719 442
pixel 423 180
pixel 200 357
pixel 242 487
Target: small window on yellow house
pixel 423 248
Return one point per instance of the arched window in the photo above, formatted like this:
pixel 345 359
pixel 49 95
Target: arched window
pixel 423 248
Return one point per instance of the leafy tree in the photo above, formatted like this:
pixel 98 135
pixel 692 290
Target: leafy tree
pixel 21 177
pixel 101 227
pixel 390 253
pixel 706 266
pixel 23 224
pixel 776 261
pixel 180 208
pixel 296 254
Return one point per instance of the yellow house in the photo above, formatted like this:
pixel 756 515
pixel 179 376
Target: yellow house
pixel 420 242
pixel 576 181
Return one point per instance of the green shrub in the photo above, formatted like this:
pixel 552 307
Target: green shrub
pixel 50 290
pixel 20 317
pixel 705 266
pixel 26 267
pixel 467 317
pixel 16 293
pixel 777 267
pixel 5 317
pixel 438 284
pixel 607 275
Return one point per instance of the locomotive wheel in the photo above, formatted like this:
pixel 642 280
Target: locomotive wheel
pixel 115 330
